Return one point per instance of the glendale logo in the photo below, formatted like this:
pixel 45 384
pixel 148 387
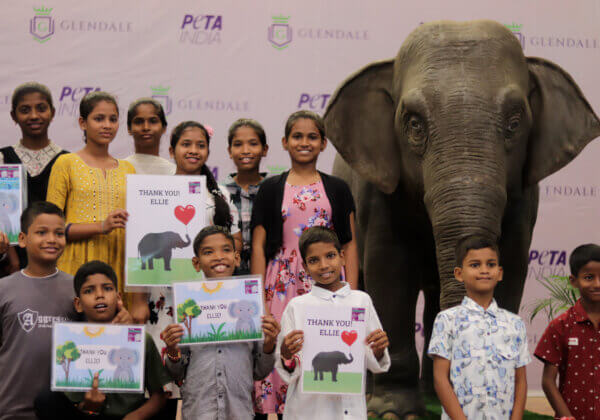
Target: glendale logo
pixel 161 94
pixel 41 26
pixel 280 32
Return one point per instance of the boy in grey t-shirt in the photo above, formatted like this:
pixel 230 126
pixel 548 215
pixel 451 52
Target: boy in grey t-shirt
pixel 31 300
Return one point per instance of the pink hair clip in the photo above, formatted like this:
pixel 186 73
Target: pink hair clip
pixel 209 130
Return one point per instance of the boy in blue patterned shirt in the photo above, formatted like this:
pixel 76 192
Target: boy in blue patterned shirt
pixel 479 351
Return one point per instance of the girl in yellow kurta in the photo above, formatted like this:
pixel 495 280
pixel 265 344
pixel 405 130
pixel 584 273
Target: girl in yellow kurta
pixel 89 186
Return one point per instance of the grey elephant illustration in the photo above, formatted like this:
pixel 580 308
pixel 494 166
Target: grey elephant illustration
pixel 329 361
pixel 448 139
pixel 160 245
pixel 9 203
pixel 244 311
pixel 124 359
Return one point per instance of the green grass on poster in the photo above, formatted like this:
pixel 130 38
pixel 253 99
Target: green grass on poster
pixel 346 382
pixel 181 270
pixel 13 237
pixel 230 336
pixel 104 383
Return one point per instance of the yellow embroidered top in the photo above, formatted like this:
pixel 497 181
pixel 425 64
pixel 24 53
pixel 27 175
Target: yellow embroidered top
pixel 86 195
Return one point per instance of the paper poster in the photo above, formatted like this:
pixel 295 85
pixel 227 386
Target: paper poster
pixel 13 200
pixel 165 214
pixel 333 353
pixel 223 310
pixel 116 352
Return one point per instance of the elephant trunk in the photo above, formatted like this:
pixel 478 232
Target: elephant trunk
pixel 462 200
pixel 348 360
pixel 184 243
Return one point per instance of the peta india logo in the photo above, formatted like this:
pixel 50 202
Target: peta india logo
pixel 68 101
pixel 161 94
pixel 551 41
pixel 545 263
pixel 201 29
pixel 313 101
pixel 41 26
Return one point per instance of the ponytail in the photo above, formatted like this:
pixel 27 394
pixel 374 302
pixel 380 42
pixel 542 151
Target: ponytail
pixel 222 212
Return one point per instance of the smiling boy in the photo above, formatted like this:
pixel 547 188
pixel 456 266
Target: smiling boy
pixel 569 346
pixel 218 378
pixel 323 259
pixel 479 350
pixel 98 301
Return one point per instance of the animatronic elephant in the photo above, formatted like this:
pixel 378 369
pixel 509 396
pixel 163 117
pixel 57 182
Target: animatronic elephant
pixel 244 311
pixel 329 361
pixel 160 245
pixel 448 139
pixel 124 359
pixel 8 205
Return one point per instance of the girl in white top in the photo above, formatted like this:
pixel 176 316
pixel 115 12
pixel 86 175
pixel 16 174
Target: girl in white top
pixel 190 150
pixel 146 123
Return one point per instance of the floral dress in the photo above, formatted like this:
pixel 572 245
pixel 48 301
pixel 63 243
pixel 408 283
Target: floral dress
pixel 303 206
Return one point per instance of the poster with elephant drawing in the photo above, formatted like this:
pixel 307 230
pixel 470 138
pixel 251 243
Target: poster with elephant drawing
pixel 333 353
pixel 219 310
pixel 115 352
pixel 165 214
pixel 13 200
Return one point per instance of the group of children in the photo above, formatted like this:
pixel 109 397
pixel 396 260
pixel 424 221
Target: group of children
pixel 280 227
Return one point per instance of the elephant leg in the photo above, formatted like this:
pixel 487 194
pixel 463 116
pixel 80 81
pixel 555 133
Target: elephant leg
pixel 316 371
pixel 393 266
pixel 517 228
pixel 334 374
pixel 167 258
pixel 143 263
pixel 150 264
pixel 320 375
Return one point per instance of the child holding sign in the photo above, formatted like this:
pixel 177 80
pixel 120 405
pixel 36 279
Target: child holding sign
pixel 97 300
pixel 218 378
pixel 323 259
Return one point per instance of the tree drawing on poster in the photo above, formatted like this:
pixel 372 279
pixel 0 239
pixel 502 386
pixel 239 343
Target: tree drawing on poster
pixel 222 310
pixel 334 350
pixel 114 352
pixel 165 213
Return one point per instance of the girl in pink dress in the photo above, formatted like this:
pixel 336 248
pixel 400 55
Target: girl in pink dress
pixel 284 206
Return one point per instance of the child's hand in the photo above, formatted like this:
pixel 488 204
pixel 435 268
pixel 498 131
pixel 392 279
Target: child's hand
pixel 123 316
pixel 378 341
pixel 271 329
pixel 172 336
pixel 292 344
pixel 93 400
pixel 114 220
pixel 3 243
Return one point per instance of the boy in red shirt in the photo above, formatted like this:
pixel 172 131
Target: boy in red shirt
pixel 570 346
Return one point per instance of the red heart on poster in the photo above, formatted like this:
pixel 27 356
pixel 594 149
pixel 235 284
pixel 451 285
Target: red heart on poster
pixel 185 214
pixel 349 337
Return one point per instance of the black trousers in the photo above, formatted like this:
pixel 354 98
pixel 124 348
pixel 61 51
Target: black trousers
pixel 55 405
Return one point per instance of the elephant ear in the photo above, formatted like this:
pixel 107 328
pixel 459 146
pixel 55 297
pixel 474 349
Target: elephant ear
pixel 563 120
pixel 359 121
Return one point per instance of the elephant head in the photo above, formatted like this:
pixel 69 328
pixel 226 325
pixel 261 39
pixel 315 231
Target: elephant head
pixel 243 309
pixel 345 360
pixel 462 120
pixel 123 357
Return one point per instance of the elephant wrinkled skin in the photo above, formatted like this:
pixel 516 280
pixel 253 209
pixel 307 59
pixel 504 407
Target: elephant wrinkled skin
pixel 448 139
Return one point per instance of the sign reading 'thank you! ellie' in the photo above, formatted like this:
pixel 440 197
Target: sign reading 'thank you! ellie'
pixel 165 214
pixel 333 353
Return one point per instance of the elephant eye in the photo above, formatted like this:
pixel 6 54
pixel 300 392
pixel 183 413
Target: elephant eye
pixel 416 131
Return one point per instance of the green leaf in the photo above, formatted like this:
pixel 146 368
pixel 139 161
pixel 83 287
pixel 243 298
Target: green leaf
pixel 562 295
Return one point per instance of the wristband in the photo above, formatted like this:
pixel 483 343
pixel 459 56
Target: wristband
pixel 176 358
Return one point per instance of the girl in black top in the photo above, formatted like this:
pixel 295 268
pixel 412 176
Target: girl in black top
pixel 284 206
pixel 32 110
